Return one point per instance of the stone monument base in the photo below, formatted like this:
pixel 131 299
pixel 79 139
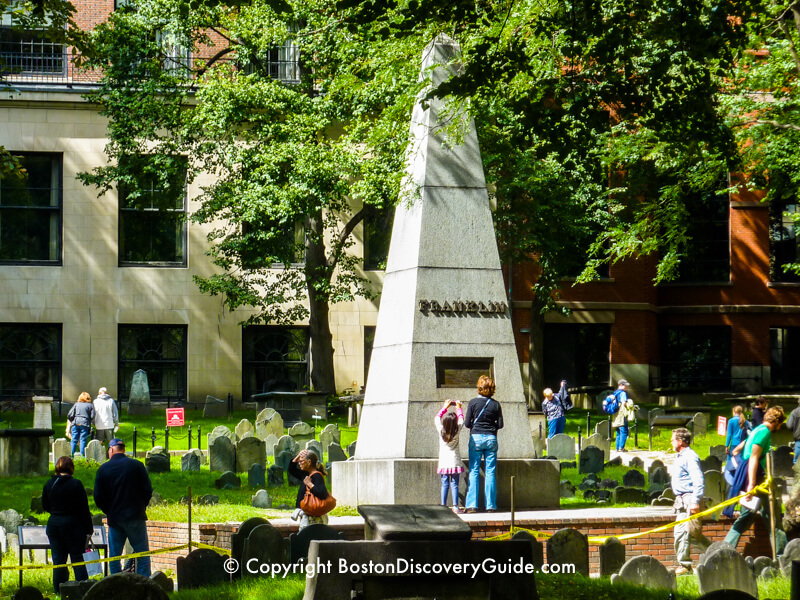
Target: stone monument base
pixel 415 481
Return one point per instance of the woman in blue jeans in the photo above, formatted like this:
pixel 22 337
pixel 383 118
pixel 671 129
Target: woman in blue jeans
pixel 81 415
pixel 484 418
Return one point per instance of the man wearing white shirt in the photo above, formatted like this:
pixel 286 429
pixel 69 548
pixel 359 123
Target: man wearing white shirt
pixel 106 416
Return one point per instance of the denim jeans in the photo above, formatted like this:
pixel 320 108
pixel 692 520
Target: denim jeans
pixel 555 426
pixel 482 446
pixel 796 450
pixel 449 484
pixel 80 433
pixel 136 533
pixel 622 435
pixel 66 539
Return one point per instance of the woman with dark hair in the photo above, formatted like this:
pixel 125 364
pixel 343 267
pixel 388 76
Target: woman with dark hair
pixel 81 415
pixel 70 523
pixel 760 406
pixel 484 418
pixel 307 468
pixel 448 424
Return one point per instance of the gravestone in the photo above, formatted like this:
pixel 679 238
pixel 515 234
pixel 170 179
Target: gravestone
pixel 760 563
pixel 256 475
pixel 601 442
pixel 633 478
pixel 269 422
pixel 10 519
pixel 720 451
pixel 3 541
pixel 27 592
pixel 608 484
pixel 228 481
pixel 190 462
pixel 157 460
pixel 162 581
pixel 335 453
pixel 155 500
pixel 219 430
pixel 95 451
pixel 269 443
pixel 659 475
pixel 61 447
pixel 715 487
pixel 261 499
pixel 636 463
pixel 700 425
pixel 413 522
pixel 200 568
pixel 42 412
pixel 329 435
pixel 139 398
pixel 286 444
pixel 238 539
pixel 726 595
pixel 274 476
pixel 300 541
pixel 36 505
pixel 301 432
pixel 646 571
pixel 221 454
pixel 75 590
pixel 567 490
pixel 536 546
pixel 351 449
pixel 128 586
pixel 711 463
pixel 656 464
pixel 265 544
pixel 790 553
pixel 283 460
pixel 250 451
pixel 208 500
pixel 782 462
pixel 591 460
pixel 244 426
pixel 612 556
pixel 214 408
pixel 604 429
pixel 200 455
pixel 315 447
pixel 561 446
pixel 587 484
pixel 569 546
pixel 726 569
pixel 624 495
pixel 539 447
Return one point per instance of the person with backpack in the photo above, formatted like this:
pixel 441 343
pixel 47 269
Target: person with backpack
pixel 626 411
pixel 555 407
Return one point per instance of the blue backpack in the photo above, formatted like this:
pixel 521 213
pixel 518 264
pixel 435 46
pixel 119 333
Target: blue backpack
pixel 611 403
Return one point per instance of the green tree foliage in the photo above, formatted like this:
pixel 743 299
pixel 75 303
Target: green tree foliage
pixel 295 155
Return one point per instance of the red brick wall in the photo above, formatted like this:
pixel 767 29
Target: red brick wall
pixel 754 543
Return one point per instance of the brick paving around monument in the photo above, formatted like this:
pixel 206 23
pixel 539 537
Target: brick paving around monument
pixel 590 521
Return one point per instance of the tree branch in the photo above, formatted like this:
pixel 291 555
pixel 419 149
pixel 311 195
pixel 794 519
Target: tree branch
pixel 788 35
pixel 776 124
pixel 345 233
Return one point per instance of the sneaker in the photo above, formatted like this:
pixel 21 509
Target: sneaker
pixel 683 570
pixel 471 510
pixel 457 509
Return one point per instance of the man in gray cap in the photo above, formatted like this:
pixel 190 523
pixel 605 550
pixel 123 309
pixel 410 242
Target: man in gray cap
pixel 122 490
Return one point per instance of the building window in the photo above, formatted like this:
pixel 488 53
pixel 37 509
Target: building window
pixel 377 236
pixel 30 361
pixel 270 244
pixel 30 211
pixel 577 353
pixel 707 255
pixel 275 359
pixel 28 53
pixel 152 212
pixel 695 358
pixel 783 239
pixel 160 351
pixel 281 63
pixel 784 355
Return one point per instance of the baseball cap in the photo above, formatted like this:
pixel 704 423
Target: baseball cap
pixel 624 382
pixel 116 442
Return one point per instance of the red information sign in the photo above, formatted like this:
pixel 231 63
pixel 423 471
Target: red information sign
pixel 175 417
pixel 722 426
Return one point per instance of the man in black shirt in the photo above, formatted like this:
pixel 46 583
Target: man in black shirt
pixel 122 490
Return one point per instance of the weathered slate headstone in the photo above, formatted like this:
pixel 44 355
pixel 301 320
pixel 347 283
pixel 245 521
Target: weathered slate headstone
pixel 330 435
pixel 711 463
pixel 591 460
pixel 286 444
pixel 715 487
pixel 228 481
pixel 624 495
pixel 782 462
pixel 243 427
pixel 27 592
pixel 567 490
pixel 598 441
pixel 221 454
pixel 760 563
pixel 261 499
pixel 315 447
pixel 569 546
pixel 536 545
pixel 94 451
pixel 220 430
pixel 646 571
pixel 155 500
pixel 42 412
pixel 190 462
pixel 603 428
pixel 208 500
pixel 636 463
pixel 726 595
pixel 139 398
pixel 61 448
pixel 299 542
pixel 269 443
pixel 301 432
pixel 274 476
pixel 539 446
pixel 269 421
pixel 608 484
pixel 720 451
pixel 633 478
pixel 157 460
pixel 10 519
pixel 75 590
pixel 265 544
pixel 561 446
pixel 659 475
pixel 335 453
pixel 200 455
pixel 256 475
pixel 200 568
pixel 214 408
pixel 351 450
pixel 161 580
pixel 238 539
pixel 790 553
pixel 250 451
pixel 612 557
pixel 129 586
pixel 726 569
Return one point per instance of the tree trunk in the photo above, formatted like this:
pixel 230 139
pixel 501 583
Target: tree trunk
pixel 317 271
pixel 536 355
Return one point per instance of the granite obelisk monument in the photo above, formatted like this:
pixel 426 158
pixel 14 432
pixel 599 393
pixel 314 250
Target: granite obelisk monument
pixel 444 320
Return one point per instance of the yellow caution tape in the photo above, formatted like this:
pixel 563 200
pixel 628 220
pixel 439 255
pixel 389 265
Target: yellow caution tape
pixel 112 558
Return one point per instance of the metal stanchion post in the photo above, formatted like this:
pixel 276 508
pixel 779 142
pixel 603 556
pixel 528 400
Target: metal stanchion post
pixel 588 423
pixel 190 437
pixel 199 439
pixel 153 436
pixel 579 438
pixel 166 440
pixel 134 442
pixel 636 433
